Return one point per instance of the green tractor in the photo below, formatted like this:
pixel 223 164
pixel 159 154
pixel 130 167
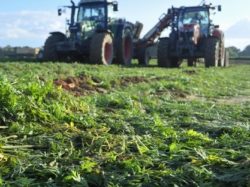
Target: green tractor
pixel 92 35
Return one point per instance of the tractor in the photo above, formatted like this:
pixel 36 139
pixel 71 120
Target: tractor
pixel 93 35
pixel 193 36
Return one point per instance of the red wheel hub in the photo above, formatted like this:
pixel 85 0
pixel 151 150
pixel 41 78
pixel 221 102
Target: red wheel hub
pixel 127 48
pixel 108 52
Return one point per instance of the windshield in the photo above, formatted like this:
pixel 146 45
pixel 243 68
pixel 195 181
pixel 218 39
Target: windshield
pixel 195 16
pixel 94 13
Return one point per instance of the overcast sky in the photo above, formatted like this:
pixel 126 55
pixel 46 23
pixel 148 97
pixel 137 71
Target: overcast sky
pixel 28 22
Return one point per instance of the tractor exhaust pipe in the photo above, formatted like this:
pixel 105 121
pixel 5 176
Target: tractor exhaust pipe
pixel 72 20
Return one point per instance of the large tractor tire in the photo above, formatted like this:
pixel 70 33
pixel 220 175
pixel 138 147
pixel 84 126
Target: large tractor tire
pixel 226 59
pixel 191 62
pixel 221 52
pixel 175 62
pixel 143 56
pixel 50 53
pixel 101 49
pixel 212 52
pixel 163 53
pixel 124 51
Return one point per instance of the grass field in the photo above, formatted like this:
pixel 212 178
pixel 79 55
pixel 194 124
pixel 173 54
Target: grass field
pixel 88 125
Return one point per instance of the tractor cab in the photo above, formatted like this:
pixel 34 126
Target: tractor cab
pixel 93 15
pixel 88 17
pixel 193 23
pixel 194 18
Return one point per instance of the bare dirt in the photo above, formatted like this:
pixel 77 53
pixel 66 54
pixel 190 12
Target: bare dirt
pixel 81 86
pixel 173 93
pixel 190 72
pixel 228 101
pixel 125 81
pixel 86 85
pixel 234 100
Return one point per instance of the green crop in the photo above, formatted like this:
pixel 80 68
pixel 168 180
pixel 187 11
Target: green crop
pixel 90 125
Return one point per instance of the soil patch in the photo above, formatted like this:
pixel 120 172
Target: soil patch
pixel 125 81
pixel 229 101
pixel 82 85
pixel 190 72
pixel 235 100
pixel 174 93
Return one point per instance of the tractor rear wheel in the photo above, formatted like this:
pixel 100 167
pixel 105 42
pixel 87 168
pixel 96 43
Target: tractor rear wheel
pixel 163 53
pixel 226 59
pixel 222 52
pixel 101 49
pixel 124 51
pixel 212 52
pixel 50 53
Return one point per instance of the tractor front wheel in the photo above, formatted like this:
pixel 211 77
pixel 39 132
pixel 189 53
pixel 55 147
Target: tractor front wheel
pixel 191 62
pixel 101 49
pixel 164 59
pixel 226 59
pixel 162 53
pixel 124 51
pixel 222 51
pixel 175 62
pixel 143 56
pixel 212 52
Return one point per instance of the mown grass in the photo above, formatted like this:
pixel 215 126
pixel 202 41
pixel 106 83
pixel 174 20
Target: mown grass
pixel 151 127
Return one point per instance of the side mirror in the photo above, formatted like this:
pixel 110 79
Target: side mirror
pixel 59 12
pixel 115 6
pixel 219 8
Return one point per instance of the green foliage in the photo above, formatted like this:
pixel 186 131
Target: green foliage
pixel 245 52
pixel 8 101
pixel 152 126
pixel 233 52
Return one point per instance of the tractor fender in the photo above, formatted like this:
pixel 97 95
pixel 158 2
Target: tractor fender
pixel 58 33
pixel 218 34
pixel 108 31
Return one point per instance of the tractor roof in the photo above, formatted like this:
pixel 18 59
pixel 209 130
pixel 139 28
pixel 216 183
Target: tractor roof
pixel 194 7
pixel 92 1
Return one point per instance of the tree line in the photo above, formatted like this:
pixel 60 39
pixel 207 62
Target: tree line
pixel 234 52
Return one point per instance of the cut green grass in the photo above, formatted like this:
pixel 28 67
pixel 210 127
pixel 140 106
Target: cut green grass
pixel 151 127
